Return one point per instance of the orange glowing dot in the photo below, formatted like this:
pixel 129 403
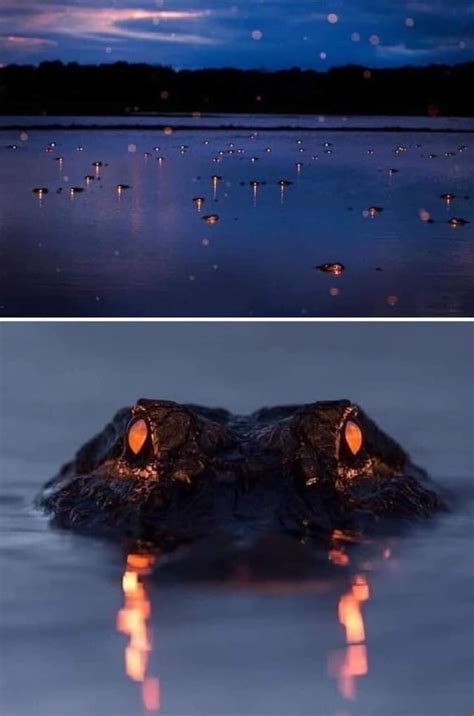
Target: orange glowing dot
pixel 339 557
pixel 374 40
pixel 129 582
pixel 353 436
pixel 134 663
pixel 350 616
pixel 168 130
pixel 332 18
pixel 137 435
pixel 140 561
pixel 257 35
pixel 360 588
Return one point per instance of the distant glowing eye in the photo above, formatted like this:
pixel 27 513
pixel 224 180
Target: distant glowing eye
pixel 137 435
pixel 353 435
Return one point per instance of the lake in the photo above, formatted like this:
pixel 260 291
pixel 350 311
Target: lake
pixel 85 631
pixel 363 201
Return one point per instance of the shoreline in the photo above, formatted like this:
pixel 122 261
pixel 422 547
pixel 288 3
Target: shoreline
pixel 225 128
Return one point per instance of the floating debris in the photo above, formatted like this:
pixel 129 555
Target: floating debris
pixel 79 149
pixel 393 171
pixel 211 218
pixel 122 187
pixel 199 201
pixel 372 211
pixel 284 182
pixel 160 160
pixel 75 190
pixel 88 178
pixel 335 268
pixel 455 221
pixel 255 184
pixel 97 164
pixel 254 159
pixel 12 146
pixel 448 197
pixel 40 191
pixel 146 155
pixel 370 152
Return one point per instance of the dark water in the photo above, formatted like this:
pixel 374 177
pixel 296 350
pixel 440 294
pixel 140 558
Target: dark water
pixel 70 606
pixel 147 251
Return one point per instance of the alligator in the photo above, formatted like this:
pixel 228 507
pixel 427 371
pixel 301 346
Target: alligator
pixel 167 474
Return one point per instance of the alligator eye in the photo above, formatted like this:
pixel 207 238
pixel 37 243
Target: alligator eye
pixel 353 436
pixel 137 435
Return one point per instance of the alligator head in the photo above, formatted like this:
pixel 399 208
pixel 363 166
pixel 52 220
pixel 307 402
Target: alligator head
pixel 169 473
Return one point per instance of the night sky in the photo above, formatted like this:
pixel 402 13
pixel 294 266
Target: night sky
pixel 267 34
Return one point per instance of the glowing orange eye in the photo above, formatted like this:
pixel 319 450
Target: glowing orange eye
pixel 353 435
pixel 137 435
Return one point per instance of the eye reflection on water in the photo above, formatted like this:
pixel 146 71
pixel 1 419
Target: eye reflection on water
pixel 133 620
pixel 345 665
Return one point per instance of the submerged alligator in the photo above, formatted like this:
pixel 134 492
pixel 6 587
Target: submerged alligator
pixel 167 473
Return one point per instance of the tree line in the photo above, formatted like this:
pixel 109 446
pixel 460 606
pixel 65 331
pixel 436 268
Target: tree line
pixel 123 88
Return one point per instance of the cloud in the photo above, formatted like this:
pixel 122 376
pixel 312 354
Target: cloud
pixel 197 33
pixel 28 44
pixel 104 23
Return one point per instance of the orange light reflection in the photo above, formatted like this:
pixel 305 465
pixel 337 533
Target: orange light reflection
pixel 132 620
pixel 347 664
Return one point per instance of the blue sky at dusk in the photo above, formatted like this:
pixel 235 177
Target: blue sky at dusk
pixel 267 34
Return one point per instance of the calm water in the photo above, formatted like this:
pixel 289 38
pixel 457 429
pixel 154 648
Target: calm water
pixel 147 251
pixel 243 647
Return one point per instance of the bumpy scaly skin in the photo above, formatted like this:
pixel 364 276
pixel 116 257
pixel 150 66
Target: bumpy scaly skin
pixel 203 471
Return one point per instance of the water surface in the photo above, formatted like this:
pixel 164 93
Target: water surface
pixel 146 250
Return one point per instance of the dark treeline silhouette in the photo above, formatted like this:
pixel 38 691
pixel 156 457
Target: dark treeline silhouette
pixel 122 88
